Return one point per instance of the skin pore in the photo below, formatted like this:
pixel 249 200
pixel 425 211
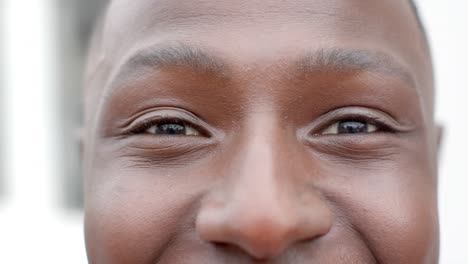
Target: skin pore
pixel 264 131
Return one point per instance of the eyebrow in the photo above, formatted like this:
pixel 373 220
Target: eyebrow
pixel 340 59
pixel 203 60
pixel 161 56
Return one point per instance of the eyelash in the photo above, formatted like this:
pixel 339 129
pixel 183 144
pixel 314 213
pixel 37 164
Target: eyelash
pixel 381 126
pixel 147 124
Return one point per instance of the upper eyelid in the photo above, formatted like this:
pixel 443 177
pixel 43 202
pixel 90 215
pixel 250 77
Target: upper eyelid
pixel 162 114
pixel 158 111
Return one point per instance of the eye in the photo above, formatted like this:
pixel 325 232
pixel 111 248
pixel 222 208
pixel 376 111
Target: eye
pixel 350 127
pixel 171 128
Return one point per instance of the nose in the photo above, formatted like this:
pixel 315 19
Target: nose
pixel 261 205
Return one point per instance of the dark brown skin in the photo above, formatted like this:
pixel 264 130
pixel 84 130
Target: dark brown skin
pixel 260 131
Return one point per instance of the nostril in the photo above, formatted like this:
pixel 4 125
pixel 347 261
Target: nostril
pixel 231 249
pixel 308 240
pixel 261 225
pixel 239 250
pixel 221 245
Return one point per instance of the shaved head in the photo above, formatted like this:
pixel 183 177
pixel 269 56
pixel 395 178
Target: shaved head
pixel 260 132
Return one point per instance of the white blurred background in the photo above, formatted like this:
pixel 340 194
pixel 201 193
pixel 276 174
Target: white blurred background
pixel 42 45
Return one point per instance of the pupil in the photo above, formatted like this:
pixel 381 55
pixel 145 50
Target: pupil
pixel 352 127
pixel 171 129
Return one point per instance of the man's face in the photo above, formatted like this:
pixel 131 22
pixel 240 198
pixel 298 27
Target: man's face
pixel 264 131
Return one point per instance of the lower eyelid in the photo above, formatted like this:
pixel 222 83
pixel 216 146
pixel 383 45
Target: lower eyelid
pixel 165 151
pixel 356 147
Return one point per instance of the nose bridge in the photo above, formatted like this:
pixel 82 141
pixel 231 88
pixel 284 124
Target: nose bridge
pixel 261 192
pixel 259 206
pixel 259 163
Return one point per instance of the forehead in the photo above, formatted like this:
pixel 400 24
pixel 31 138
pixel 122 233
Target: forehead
pixel 385 23
pixel 253 31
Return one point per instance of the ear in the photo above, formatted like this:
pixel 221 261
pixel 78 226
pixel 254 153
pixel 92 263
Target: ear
pixel 79 139
pixel 439 137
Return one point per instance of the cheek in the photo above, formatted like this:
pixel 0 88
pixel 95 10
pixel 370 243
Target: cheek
pixel 395 212
pixel 132 214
